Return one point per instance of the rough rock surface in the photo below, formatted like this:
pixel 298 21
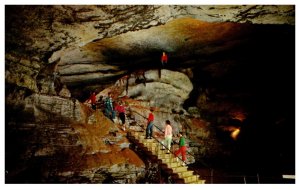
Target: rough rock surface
pixel 53 108
pixel 104 60
pixel 63 141
pixel 49 31
pixel 167 92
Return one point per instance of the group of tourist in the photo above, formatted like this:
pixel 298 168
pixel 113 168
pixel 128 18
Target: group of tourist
pixel 168 134
pixel 110 111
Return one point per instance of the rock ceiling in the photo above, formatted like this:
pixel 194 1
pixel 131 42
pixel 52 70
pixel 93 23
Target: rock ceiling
pixel 180 38
pixel 93 42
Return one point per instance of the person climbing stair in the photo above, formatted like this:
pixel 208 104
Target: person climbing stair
pixel 120 108
pixel 149 128
pixel 168 135
pixel 182 149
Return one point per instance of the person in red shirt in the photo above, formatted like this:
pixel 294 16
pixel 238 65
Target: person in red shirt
pixel 121 110
pixel 149 128
pixel 164 58
pixel 93 100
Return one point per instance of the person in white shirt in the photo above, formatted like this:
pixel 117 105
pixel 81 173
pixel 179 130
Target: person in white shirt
pixel 168 135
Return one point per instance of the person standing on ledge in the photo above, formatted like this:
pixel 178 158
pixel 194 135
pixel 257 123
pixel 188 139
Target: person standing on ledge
pixel 93 100
pixel 164 60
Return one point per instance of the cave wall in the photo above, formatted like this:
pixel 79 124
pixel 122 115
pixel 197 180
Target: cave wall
pixel 64 141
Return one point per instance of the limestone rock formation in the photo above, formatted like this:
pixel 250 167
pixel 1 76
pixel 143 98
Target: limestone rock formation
pixel 63 28
pixel 65 92
pixel 68 143
pixel 53 108
pixel 167 92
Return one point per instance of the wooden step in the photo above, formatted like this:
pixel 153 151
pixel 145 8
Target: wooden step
pixel 185 174
pixel 150 143
pixel 159 152
pixel 160 156
pixel 162 151
pixel 166 160
pixel 173 164
pixel 190 179
pixel 164 154
pixel 153 149
pixel 179 169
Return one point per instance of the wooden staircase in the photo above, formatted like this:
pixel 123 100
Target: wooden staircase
pixel 177 169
